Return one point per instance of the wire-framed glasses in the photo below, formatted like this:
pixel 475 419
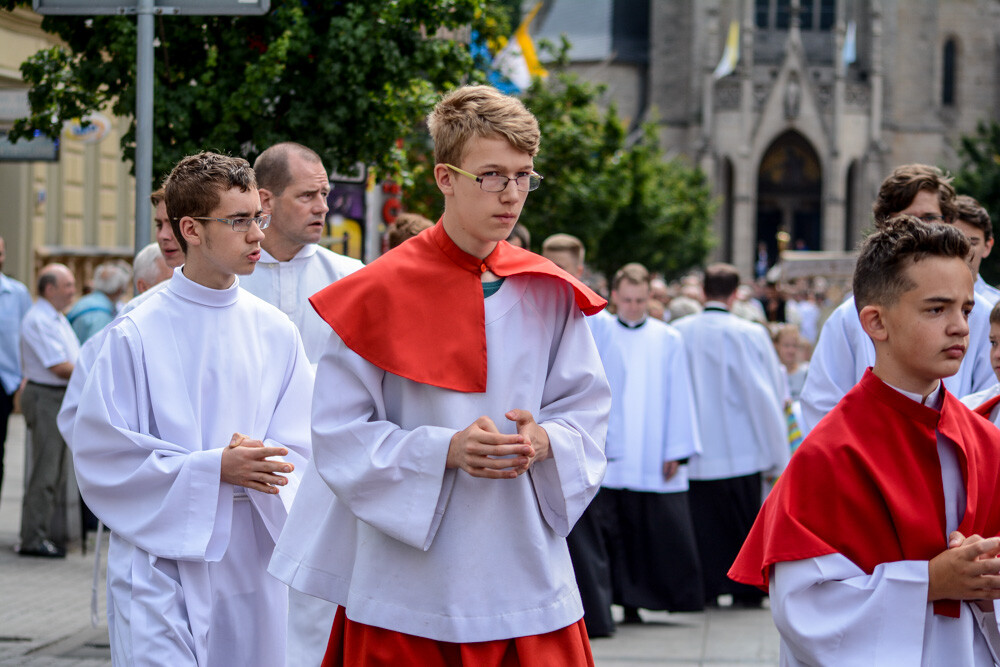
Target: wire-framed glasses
pixel 243 224
pixel 497 183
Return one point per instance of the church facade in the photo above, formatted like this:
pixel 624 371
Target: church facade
pixel 815 102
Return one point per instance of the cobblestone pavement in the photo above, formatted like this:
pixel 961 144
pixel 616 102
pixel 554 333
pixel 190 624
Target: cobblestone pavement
pixel 45 610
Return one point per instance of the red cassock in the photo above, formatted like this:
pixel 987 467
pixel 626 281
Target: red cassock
pixel 417 311
pixel 866 483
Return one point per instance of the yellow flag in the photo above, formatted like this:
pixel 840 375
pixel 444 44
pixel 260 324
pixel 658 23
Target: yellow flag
pixel 518 61
pixel 731 54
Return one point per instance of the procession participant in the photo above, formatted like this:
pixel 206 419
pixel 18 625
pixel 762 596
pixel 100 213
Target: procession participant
pixel 193 504
pixel 467 430
pixel 902 585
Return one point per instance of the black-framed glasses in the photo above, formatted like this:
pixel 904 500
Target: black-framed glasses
pixel 497 183
pixel 243 224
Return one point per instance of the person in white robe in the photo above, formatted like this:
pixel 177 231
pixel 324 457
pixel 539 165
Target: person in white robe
pixel 738 388
pixel 194 505
pixel 844 351
pixel 293 266
pixel 417 514
pixel 655 560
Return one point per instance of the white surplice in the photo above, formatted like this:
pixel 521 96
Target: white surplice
pixel 173 380
pixel 410 546
pixel 738 387
pixel 830 612
pixel 844 351
pixel 288 286
pixel 660 423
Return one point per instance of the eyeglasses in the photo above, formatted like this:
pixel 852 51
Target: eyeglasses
pixel 931 217
pixel 243 224
pixel 525 183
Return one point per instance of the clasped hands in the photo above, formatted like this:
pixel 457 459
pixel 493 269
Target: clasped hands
pixel 967 570
pixel 245 463
pixel 483 451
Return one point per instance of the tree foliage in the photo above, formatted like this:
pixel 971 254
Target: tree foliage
pixel 979 177
pixel 346 78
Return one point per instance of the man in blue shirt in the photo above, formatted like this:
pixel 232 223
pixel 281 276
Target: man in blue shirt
pixel 15 300
pixel 96 310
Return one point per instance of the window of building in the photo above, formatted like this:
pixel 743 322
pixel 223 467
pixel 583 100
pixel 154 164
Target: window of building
pixel 948 72
pixel 816 15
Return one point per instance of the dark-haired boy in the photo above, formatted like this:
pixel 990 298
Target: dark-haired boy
pixel 467 434
pixel 862 539
pixel 194 505
pixel 973 221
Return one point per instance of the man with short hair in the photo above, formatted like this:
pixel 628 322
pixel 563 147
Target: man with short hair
pixel 172 253
pixel 739 393
pixel 565 251
pixel 655 561
pixel 93 312
pixel 464 429
pixel 49 349
pixel 293 265
pixel 192 400
pixel 15 300
pixel 843 351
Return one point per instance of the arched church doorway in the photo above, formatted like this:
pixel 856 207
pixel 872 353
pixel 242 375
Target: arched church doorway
pixel 789 196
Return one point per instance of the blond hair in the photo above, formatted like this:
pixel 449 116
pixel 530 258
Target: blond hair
pixel 480 111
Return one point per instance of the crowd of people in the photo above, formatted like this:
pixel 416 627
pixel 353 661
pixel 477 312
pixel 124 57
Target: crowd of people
pixel 457 455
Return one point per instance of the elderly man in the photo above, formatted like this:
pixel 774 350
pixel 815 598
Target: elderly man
pixel 96 310
pixel 150 268
pixel 14 303
pixel 49 349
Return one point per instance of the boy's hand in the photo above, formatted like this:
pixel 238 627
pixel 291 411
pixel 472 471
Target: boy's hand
pixel 967 570
pixel 537 436
pixel 475 449
pixel 670 469
pixel 244 463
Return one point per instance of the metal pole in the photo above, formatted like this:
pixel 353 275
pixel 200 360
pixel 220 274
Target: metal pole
pixel 144 122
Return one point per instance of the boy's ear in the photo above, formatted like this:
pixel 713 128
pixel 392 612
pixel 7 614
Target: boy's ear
pixel 873 322
pixel 989 248
pixel 191 230
pixel 266 197
pixel 444 177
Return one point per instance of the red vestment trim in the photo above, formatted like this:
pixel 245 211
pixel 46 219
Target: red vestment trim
pixel 417 311
pixel 986 408
pixel 866 483
pixel 353 644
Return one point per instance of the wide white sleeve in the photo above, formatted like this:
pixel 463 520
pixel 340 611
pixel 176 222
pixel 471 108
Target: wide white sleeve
pixel 576 402
pixel 831 373
pixel 391 478
pixel 829 612
pixel 614 370
pixel 81 370
pixel 768 408
pixel 163 498
pixel 682 436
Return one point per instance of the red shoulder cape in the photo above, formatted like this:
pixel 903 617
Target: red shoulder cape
pixel 866 483
pixel 417 311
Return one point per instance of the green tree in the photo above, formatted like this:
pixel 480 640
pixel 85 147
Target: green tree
pixel 347 78
pixel 979 177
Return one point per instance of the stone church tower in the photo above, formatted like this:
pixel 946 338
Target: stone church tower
pixel 826 98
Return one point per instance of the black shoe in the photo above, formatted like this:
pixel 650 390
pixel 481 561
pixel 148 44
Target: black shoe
pixel 45 549
pixel 632 616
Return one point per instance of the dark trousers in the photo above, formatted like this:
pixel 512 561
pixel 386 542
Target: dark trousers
pixel 723 511
pixel 6 407
pixel 48 462
pixel 588 550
